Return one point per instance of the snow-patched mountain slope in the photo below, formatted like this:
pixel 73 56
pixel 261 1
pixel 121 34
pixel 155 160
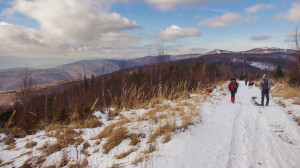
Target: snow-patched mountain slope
pixel 236 136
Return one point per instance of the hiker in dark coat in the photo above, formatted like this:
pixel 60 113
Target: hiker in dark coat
pixel 233 86
pixel 265 86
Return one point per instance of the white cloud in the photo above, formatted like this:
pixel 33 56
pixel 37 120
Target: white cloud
pixel 293 14
pixel 66 27
pixel 73 19
pixel 260 38
pixel 259 7
pixel 225 20
pixel 166 5
pixel 175 32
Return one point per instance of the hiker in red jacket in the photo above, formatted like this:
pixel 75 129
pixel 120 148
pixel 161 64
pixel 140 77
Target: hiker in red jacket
pixel 233 86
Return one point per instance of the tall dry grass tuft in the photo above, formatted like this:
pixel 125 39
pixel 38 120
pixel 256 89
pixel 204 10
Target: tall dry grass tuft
pixel 30 144
pixel 161 130
pixel 286 91
pixel 107 131
pixel 116 137
pixel 125 154
pixel 134 139
pixel 151 148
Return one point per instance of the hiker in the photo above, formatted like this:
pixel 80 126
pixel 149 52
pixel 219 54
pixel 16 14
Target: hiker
pixel 233 86
pixel 246 81
pixel 250 82
pixel 265 86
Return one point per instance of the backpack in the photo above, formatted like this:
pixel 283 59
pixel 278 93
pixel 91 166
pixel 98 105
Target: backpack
pixel 265 85
pixel 233 85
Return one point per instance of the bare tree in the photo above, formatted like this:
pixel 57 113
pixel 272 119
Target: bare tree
pixel 122 68
pixel 297 48
pixel 26 86
pixel 150 68
pixel 103 85
pixel 160 62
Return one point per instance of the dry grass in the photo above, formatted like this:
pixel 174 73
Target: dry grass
pixel 14 133
pixel 106 132
pixel 113 113
pixel 84 147
pixel 96 150
pixel 91 122
pixel 11 146
pixel 7 163
pixel 155 101
pixel 30 144
pixel 53 127
pixel 24 154
pixel 151 148
pixel 116 137
pixel 297 101
pixel 64 137
pixel 85 163
pixel 166 138
pixel 9 140
pixel 50 149
pixel 297 119
pixel 125 154
pixel 27 164
pixel 40 160
pixel 161 131
pixel 137 160
pixel 64 161
pixel 286 91
pixel 134 139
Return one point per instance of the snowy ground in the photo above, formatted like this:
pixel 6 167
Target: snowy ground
pixel 237 135
pixel 240 135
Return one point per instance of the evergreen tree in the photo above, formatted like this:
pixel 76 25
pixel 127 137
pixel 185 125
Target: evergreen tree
pixel 278 72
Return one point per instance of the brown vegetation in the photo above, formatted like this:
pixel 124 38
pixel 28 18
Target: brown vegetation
pixel 30 144
pixel 125 154
pixel 128 88
pixel 116 137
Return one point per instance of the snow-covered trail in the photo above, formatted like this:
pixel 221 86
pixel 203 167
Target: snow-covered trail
pixel 236 136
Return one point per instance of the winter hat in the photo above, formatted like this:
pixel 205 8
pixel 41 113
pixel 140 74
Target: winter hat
pixel 265 76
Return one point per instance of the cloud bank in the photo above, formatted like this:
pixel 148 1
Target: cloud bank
pixel 260 38
pixel 165 5
pixel 258 8
pixel 65 26
pixel 225 20
pixel 293 14
pixel 175 32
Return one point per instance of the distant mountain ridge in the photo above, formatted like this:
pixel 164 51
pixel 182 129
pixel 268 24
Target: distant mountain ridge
pixel 255 59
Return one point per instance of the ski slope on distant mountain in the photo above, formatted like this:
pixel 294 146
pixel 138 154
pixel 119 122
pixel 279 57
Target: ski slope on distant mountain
pixel 235 136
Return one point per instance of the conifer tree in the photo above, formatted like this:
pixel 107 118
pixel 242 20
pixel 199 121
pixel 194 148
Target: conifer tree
pixel 278 72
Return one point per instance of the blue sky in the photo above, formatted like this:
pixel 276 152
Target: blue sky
pixel 133 28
